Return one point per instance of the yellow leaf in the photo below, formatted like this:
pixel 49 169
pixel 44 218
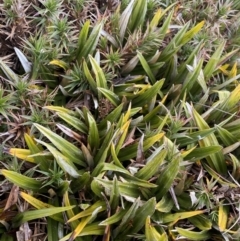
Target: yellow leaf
pixel 233 71
pixel 35 202
pixel 233 98
pixel 156 18
pixel 70 213
pixel 185 153
pixel 59 63
pixel 192 32
pixel 224 68
pixel 167 218
pixel 222 217
pixel 150 232
pixel 21 154
pixel 79 228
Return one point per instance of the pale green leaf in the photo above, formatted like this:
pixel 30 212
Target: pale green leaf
pixel 191 235
pixel 66 148
pixel 35 214
pixel 22 181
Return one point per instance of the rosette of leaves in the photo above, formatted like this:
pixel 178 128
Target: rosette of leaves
pixel 125 172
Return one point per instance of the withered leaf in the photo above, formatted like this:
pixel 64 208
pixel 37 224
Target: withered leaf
pixel 12 198
pixel 140 153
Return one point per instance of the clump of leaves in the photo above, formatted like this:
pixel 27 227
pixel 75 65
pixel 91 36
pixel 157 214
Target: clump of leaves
pixel 149 147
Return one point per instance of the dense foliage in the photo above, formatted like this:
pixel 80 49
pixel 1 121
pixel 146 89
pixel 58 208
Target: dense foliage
pixel 119 120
